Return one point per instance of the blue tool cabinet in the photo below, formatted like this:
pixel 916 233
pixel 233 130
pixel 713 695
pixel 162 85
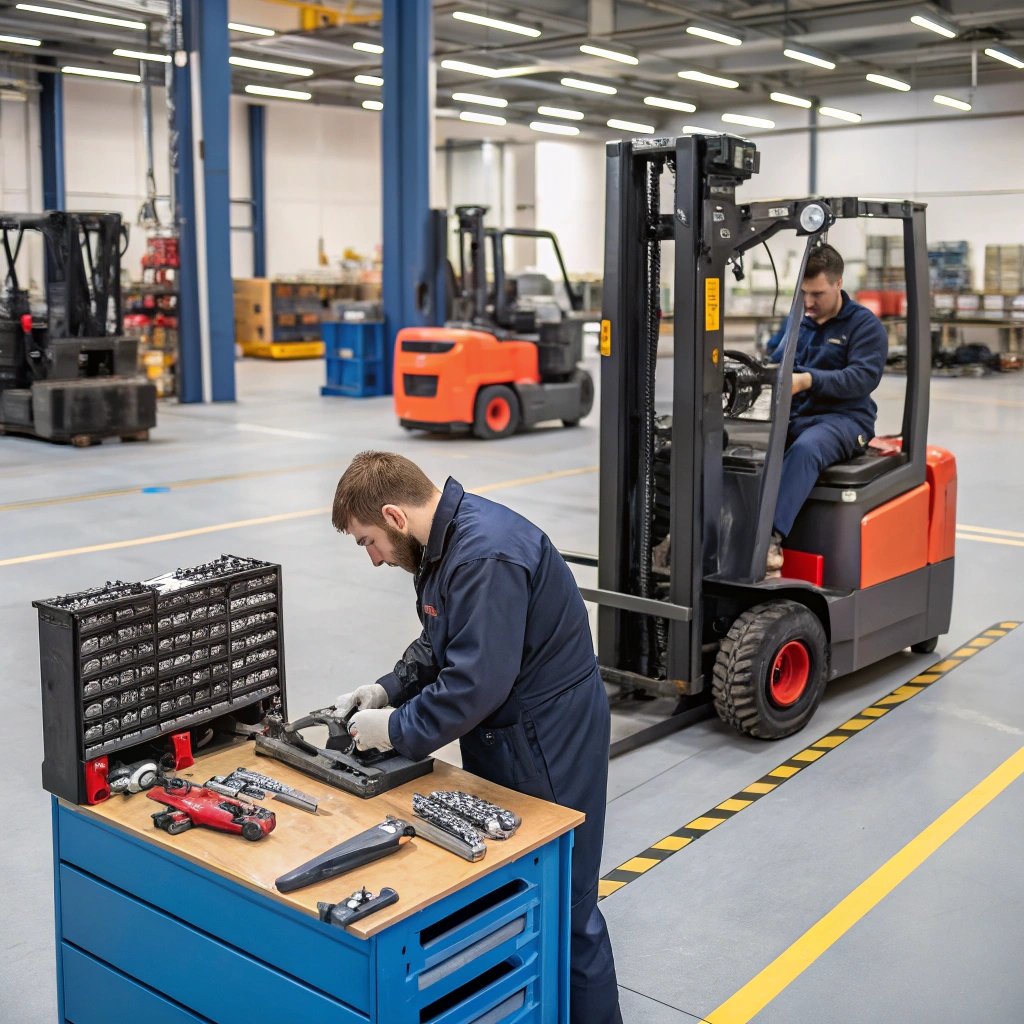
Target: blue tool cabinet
pixel 145 933
pixel 354 358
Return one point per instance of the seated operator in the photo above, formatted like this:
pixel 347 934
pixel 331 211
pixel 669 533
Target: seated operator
pixel 840 355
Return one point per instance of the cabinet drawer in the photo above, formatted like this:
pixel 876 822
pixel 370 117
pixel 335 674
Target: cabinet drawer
pixel 209 977
pixel 322 956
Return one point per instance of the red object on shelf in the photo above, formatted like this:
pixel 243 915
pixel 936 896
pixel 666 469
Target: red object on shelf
pixel 181 750
pixel 96 788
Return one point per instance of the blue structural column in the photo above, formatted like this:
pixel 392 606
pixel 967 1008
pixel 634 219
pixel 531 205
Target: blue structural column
pixel 407 158
pixel 200 94
pixel 257 190
pixel 51 132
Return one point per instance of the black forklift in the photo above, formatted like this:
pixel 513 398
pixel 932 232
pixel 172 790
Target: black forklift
pixel 687 498
pixel 68 375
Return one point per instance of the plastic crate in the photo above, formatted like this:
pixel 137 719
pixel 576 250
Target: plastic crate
pixel 354 378
pixel 353 339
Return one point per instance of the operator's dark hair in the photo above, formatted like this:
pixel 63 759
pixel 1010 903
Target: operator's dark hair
pixel 376 479
pixel 825 260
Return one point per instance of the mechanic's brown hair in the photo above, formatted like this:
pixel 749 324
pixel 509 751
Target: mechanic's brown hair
pixel 376 479
pixel 824 260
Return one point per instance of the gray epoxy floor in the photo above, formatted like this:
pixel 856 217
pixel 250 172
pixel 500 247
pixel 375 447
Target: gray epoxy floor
pixel 698 927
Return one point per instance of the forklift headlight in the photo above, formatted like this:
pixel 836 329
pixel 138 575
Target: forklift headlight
pixel 812 217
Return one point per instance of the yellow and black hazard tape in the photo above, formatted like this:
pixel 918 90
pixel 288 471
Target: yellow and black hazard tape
pixel 693 830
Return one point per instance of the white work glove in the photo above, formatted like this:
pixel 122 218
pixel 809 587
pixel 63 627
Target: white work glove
pixel 370 729
pixel 372 695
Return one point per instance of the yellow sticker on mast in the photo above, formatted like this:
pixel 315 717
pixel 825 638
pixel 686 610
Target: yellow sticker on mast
pixel 712 303
pixel 606 337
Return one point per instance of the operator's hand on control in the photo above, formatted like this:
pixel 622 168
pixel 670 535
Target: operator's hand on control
pixel 801 382
pixel 370 729
pixel 372 695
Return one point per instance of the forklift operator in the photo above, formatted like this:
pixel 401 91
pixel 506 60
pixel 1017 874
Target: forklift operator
pixel 505 664
pixel 839 359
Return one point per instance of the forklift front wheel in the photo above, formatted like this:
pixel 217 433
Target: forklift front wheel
pixel 497 412
pixel 771 670
pixel 925 646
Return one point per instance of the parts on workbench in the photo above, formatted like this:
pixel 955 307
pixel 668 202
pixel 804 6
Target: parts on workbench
pixel 492 821
pixel 360 904
pixel 196 805
pixel 446 829
pixel 245 782
pixel 133 778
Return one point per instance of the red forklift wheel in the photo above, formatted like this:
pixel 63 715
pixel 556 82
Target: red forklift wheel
pixel 771 670
pixel 497 412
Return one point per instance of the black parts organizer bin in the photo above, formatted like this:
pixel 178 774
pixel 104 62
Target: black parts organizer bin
pixel 127 663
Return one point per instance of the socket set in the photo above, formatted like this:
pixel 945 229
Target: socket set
pixel 127 663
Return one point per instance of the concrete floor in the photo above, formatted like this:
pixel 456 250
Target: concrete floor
pixel 256 478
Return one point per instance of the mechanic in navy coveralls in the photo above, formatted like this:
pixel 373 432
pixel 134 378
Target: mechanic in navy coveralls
pixel 839 359
pixel 505 664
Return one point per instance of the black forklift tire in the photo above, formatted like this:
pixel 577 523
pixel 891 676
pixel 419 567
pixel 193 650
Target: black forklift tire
pixel 771 670
pixel 252 831
pixel 496 413
pixel 586 385
pixel 925 646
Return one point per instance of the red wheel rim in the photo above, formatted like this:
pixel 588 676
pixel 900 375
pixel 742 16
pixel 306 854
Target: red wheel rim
pixel 498 414
pixel 790 672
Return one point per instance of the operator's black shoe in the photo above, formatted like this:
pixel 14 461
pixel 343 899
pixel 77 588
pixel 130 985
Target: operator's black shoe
pixel 773 564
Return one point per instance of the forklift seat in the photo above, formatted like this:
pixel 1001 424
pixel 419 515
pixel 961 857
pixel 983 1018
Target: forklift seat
pixel 861 469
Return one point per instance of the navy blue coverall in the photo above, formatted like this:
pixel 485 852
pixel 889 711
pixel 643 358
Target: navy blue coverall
pixel 829 423
pixel 506 665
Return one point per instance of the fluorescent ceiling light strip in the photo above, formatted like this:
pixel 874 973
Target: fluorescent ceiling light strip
pixel 504 26
pixel 472 115
pixel 253 30
pixel 695 129
pixel 21 40
pixel 118 76
pixel 630 126
pixel 469 69
pixel 934 26
pixel 753 122
pixel 368 47
pixel 269 65
pixel 554 129
pixel 949 101
pixel 657 101
pixel 578 83
pixel 162 58
pixel 284 94
pixel 1005 57
pixel 718 37
pixel 569 115
pixel 700 76
pixel 793 101
pixel 600 51
pixel 842 115
pixel 57 12
pixel 472 97
pixel 372 105
pixel 369 80
pixel 809 58
pixel 889 83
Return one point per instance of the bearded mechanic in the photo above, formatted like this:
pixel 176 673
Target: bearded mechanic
pixel 504 663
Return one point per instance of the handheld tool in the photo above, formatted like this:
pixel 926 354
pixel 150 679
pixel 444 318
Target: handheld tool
pixel 493 821
pixel 445 829
pixel 360 904
pixel 245 782
pixel 371 845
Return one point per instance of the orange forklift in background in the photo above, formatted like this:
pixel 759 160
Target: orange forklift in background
pixel 505 361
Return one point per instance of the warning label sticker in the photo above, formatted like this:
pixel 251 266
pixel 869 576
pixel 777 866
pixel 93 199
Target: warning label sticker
pixel 712 304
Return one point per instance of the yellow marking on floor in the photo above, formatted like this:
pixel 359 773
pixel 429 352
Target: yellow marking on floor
pixel 523 481
pixel 1009 625
pixel 899 695
pixel 994 632
pixel 989 529
pixel 808 755
pixel 784 771
pixel 965 652
pixel 607 888
pixel 945 666
pixel 990 540
pixel 830 742
pixel 672 843
pixel 638 865
pixel 982 641
pixel 733 805
pixel 857 723
pixel 704 824
pixel 927 677
pixel 786 968
pixel 875 712
pixel 761 787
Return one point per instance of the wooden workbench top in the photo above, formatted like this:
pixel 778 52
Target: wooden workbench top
pixel 421 872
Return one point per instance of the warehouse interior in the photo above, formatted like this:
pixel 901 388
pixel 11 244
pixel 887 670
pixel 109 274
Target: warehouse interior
pixel 270 191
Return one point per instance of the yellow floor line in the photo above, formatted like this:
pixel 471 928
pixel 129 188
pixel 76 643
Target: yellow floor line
pixel 990 540
pixel 988 529
pixel 761 990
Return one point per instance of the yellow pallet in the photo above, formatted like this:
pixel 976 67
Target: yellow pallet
pixel 283 349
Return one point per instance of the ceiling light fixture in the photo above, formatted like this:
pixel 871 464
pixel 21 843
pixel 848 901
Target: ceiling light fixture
pixel 469 69
pixel 372 105
pixel 554 129
pixel 504 26
pixel 809 57
pixel 657 101
pixel 889 83
pixel 162 58
pixel 119 76
pixel 269 65
pixel 718 37
pixel 283 94
pixel 577 83
pixel 486 101
pixel 934 24
pixel 752 122
pixel 368 47
pixel 700 76
pixel 693 129
pixel 793 101
pixel 252 30
pixel 373 80
pixel 569 115
pixel 1006 56
pixel 602 51
pixel 21 41
pixel 949 101
pixel 630 126
pixel 472 115
pixel 841 115
pixel 57 12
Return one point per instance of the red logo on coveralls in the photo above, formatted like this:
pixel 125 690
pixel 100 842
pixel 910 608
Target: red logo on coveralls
pixel 430 610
